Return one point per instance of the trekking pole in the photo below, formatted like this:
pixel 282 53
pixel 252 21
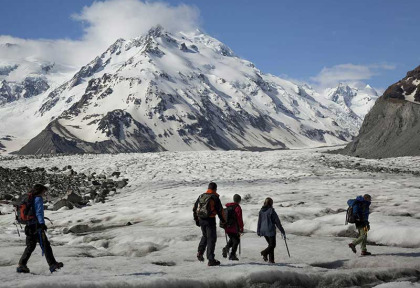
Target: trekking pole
pixel 226 238
pixel 286 246
pixel 239 248
pixel 17 229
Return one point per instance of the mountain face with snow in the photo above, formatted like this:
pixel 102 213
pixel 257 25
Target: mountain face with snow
pixel 176 92
pixel 33 83
pixel 357 100
pixel 392 127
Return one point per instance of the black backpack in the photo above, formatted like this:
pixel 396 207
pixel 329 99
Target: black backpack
pixel 230 215
pixel 203 208
pixel 350 217
pixel 25 210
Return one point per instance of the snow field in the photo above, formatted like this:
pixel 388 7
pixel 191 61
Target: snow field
pixel 159 249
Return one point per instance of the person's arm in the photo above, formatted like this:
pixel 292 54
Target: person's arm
pixel 39 210
pixel 238 211
pixel 195 210
pixel 278 223
pixel 259 225
pixel 219 209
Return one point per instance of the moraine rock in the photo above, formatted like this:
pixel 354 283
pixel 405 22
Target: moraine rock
pixel 392 127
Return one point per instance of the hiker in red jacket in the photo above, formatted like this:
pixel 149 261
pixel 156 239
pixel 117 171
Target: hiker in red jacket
pixel 234 227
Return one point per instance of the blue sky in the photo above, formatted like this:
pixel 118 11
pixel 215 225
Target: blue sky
pixel 374 41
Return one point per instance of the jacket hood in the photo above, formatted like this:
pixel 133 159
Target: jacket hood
pixel 266 208
pixel 231 204
pixel 361 199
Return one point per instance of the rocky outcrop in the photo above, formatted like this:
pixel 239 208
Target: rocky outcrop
pixel 392 127
pixel 31 86
pixel 56 139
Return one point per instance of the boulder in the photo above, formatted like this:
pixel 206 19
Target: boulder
pixel 121 184
pixel 62 203
pixel 73 197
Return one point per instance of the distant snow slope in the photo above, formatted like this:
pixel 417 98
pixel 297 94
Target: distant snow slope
pixel 352 98
pixel 310 194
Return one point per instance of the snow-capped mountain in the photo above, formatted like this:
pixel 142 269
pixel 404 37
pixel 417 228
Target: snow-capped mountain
pixel 179 92
pixel 23 80
pixel 354 99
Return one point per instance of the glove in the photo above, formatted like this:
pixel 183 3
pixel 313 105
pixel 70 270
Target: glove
pixel 283 235
pixel 223 225
pixel 43 227
pixel 197 223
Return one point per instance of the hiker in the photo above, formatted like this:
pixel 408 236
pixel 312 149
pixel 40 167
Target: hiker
pixel 205 209
pixel 268 220
pixel 234 227
pixel 35 231
pixel 361 219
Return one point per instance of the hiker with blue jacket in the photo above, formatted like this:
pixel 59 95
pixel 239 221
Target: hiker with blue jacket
pixel 361 213
pixel 268 220
pixel 35 231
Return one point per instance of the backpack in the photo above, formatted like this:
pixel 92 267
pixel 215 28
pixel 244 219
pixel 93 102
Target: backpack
pixel 203 208
pixel 25 210
pixel 230 215
pixel 350 217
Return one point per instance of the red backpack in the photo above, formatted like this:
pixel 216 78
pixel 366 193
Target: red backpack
pixel 25 210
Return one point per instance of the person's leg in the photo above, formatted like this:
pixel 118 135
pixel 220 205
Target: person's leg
pixel 230 242
pixel 361 239
pixel 266 250
pixel 235 243
pixel 211 240
pixel 31 241
pixel 272 246
pixel 47 249
pixel 203 242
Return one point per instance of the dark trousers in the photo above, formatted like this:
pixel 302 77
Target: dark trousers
pixel 209 238
pixel 234 240
pixel 34 236
pixel 270 249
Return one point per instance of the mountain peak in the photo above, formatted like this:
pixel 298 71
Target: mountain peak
pixel 156 31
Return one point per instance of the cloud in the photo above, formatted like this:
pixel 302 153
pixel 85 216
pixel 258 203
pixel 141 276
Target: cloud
pixel 348 73
pixel 104 22
pixel 115 19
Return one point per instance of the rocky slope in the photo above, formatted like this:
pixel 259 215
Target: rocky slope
pixel 182 92
pixel 392 127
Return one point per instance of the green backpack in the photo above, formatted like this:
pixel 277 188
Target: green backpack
pixel 203 208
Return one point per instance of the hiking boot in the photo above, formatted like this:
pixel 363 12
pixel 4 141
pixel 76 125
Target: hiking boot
pixel 233 257
pixel 22 269
pixel 200 256
pixel 225 252
pixel 213 262
pixel 264 255
pixel 365 253
pixel 271 262
pixel 352 247
pixel 57 265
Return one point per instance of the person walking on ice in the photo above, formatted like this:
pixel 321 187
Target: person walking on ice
pixel 205 209
pixel 360 211
pixel 268 220
pixel 234 227
pixel 32 213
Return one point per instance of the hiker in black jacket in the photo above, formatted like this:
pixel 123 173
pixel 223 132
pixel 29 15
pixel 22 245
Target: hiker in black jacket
pixel 205 209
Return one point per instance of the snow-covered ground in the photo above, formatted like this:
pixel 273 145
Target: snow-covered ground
pixel 159 249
